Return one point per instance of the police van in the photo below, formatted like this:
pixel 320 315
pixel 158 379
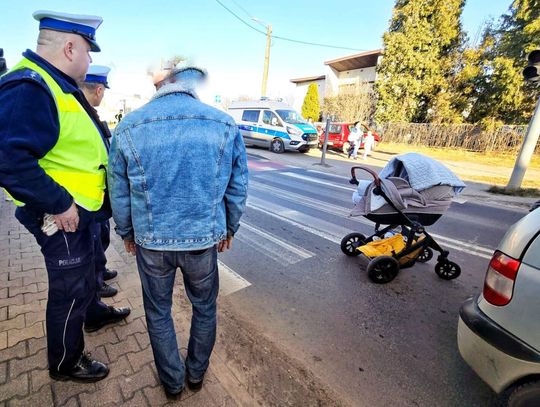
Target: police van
pixel 273 124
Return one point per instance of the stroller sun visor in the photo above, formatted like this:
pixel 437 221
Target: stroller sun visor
pixel 421 172
pixel 413 183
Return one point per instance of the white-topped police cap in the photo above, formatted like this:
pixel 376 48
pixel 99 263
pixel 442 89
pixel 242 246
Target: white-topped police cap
pixel 98 74
pixel 83 25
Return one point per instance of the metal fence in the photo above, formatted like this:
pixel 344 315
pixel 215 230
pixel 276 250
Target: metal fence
pixel 465 136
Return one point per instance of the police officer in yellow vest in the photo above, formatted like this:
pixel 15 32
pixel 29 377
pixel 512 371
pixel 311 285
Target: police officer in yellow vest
pixel 53 161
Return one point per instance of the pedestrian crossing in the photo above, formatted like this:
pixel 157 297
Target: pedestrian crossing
pixel 312 202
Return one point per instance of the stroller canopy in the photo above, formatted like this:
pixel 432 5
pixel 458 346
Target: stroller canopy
pixel 413 183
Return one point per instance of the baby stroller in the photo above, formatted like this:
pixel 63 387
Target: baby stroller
pixel 411 192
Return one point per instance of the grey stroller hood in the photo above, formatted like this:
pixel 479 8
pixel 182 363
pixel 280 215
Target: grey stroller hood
pixel 413 183
pixel 435 200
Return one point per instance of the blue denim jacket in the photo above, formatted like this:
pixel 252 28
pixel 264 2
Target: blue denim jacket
pixel 177 173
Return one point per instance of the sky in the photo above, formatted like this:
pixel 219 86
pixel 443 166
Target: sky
pixel 136 35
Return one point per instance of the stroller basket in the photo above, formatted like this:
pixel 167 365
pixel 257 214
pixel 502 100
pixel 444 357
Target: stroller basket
pixel 393 204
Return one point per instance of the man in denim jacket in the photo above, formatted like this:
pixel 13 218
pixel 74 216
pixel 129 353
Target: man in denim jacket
pixel 178 184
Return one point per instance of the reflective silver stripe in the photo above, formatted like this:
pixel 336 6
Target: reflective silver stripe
pixel 64 335
pixel 67 244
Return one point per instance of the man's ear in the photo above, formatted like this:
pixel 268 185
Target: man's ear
pixel 99 91
pixel 68 50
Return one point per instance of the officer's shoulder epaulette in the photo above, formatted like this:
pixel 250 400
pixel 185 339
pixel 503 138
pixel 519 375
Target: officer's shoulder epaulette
pixel 22 75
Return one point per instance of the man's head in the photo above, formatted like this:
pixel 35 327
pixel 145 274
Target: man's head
pixel 95 83
pixel 189 78
pixel 93 92
pixel 66 40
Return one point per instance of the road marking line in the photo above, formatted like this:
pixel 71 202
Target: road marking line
pixel 285 217
pixel 316 181
pixel 330 175
pixel 309 229
pixel 338 210
pixel 279 250
pixel 230 281
pixel 306 254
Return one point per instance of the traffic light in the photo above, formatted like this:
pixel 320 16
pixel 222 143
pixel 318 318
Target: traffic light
pixel 532 71
pixel 3 66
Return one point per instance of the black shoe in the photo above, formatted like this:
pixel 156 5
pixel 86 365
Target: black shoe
pixel 107 291
pixel 109 274
pixel 194 385
pixel 112 316
pixel 86 370
pixel 173 395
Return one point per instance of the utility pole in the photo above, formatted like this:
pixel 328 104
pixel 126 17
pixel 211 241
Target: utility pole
pixel 266 59
pixel 531 73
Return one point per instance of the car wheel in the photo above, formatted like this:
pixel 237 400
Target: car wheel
pixel 526 395
pixel 277 146
pixel 351 242
pixel 345 148
pixel 383 269
pixel 447 270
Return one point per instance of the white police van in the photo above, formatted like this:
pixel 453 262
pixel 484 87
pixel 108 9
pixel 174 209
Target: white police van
pixel 273 124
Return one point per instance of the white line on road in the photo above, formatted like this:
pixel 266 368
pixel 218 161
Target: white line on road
pixel 281 251
pixel 230 281
pixel 291 216
pixel 316 181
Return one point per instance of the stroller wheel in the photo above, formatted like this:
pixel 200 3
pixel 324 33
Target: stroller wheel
pixel 383 269
pixel 425 256
pixel 447 270
pixel 351 242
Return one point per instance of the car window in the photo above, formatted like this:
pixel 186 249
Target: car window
pixel 532 256
pixel 251 116
pixel 335 128
pixel 270 118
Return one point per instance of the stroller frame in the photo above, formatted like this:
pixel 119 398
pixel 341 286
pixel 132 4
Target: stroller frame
pixel 383 269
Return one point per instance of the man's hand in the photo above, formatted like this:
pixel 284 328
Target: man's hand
pixel 225 244
pixel 69 220
pixel 130 246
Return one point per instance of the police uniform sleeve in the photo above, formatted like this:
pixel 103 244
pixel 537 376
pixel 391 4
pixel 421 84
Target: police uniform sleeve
pixel 29 129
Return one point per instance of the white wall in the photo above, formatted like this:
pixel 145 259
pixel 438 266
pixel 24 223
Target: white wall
pixel 301 90
pixel 336 79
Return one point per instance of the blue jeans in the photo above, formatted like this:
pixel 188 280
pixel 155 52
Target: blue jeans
pixel 157 270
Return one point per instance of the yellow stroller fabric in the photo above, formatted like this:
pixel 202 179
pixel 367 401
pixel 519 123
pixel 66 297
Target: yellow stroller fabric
pixel 383 247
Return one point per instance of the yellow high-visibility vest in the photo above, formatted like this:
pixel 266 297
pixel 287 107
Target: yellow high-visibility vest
pixel 78 161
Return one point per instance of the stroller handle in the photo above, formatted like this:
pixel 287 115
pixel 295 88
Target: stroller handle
pixel 375 176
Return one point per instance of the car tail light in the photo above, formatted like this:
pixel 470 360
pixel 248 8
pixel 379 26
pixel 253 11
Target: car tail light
pixel 500 278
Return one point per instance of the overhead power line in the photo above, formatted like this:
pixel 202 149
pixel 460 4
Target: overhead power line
pixel 278 37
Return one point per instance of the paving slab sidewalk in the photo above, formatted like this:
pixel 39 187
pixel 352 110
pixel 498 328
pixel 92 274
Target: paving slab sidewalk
pixel 246 369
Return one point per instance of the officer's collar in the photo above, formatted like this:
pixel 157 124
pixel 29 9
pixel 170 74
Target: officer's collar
pixel 66 83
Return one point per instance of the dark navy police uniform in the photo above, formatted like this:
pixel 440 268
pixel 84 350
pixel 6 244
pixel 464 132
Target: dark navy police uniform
pixel 29 129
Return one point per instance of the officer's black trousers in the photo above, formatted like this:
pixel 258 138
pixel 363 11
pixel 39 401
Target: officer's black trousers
pixel 69 259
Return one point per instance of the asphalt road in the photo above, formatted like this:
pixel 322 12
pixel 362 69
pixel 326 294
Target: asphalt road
pixel 376 345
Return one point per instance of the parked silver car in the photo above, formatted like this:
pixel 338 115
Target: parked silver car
pixel 499 330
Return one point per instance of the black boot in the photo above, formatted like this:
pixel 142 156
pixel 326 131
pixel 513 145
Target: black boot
pixel 107 291
pixel 109 274
pixel 86 370
pixel 112 316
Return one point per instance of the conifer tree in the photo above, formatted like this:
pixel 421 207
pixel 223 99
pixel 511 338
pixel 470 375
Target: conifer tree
pixel 311 107
pixel 421 53
pixel 501 94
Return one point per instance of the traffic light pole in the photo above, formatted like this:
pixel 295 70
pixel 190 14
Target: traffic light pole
pixel 526 152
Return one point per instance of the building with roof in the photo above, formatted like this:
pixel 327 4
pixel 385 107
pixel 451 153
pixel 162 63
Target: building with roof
pixel 340 76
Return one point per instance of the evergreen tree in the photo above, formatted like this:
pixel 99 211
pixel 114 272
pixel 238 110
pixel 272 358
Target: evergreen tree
pixel 422 51
pixel 501 94
pixel 311 107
